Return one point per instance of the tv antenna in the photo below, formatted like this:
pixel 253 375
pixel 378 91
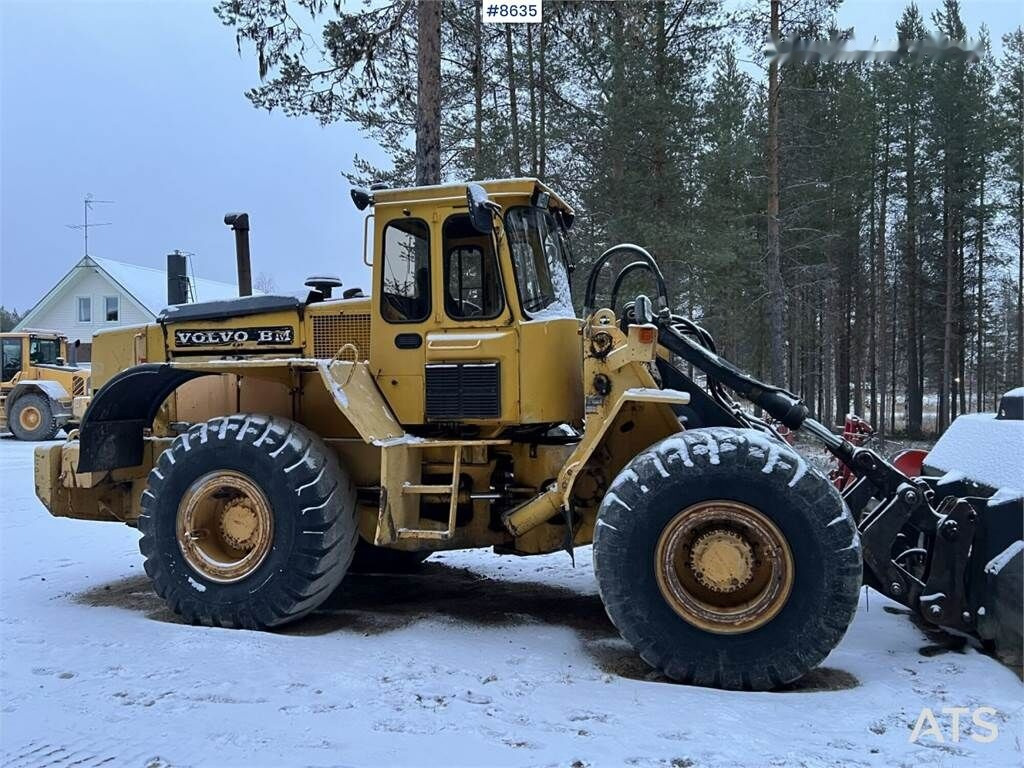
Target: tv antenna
pixel 87 203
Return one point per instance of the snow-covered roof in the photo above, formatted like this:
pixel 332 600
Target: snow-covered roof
pixel 145 286
pixel 148 285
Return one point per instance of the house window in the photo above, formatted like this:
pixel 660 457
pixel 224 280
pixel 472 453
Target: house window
pixel 84 309
pixel 111 308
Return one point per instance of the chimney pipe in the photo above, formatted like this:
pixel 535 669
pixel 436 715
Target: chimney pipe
pixel 239 222
pixel 177 279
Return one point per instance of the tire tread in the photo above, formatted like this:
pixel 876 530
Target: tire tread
pixel 688 457
pixel 324 542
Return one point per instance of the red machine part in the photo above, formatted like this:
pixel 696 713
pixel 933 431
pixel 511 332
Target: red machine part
pixel 910 461
pixel 856 431
pixel 782 430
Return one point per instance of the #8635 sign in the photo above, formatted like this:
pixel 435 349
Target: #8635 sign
pixel 512 11
pixel 229 337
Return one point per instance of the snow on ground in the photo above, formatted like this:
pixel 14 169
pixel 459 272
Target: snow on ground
pixel 480 661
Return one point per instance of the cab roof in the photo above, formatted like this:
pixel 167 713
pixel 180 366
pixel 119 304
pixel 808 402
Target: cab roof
pixel 496 190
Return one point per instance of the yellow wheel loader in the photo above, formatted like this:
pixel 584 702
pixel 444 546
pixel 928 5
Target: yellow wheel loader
pixel 263 445
pixel 37 385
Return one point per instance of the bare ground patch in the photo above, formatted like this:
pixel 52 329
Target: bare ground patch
pixel 379 603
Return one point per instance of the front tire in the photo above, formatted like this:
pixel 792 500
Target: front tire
pixel 726 560
pixel 247 521
pixel 32 419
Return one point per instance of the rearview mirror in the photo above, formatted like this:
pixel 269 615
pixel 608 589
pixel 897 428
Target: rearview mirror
pixel 480 209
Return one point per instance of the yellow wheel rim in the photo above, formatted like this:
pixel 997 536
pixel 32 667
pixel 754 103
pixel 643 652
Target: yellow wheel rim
pixel 724 567
pixel 30 418
pixel 225 526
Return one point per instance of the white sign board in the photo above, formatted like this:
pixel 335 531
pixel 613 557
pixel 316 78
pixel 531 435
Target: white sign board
pixel 512 11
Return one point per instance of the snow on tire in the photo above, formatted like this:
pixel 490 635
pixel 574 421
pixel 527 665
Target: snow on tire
pixel 247 521
pixel 726 561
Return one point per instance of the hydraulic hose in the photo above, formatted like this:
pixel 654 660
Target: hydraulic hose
pixel 625 272
pixel 780 404
pixel 646 259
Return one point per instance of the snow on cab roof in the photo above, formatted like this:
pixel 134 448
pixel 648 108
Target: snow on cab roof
pixel 33 332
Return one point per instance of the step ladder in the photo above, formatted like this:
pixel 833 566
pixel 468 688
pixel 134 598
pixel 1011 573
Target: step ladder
pixel 402 488
pixel 451 490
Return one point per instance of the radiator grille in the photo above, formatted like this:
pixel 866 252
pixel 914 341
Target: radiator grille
pixel 330 332
pixel 463 391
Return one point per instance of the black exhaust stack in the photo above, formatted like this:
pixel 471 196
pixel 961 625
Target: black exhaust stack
pixel 177 279
pixel 239 222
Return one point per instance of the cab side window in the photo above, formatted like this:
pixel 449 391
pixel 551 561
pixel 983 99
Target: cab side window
pixel 405 288
pixel 472 282
pixel 11 354
pixel 43 351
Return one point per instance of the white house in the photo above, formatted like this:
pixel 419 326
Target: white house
pixel 97 294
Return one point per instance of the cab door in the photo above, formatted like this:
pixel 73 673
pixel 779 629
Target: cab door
pixel 12 355
pixel 403 308
pixel 471 371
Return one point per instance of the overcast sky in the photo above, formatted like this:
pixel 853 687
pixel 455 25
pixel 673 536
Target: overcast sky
pixel 141 102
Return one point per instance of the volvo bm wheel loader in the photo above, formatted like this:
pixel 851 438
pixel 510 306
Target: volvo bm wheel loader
pixel 38 386
pixel 261 444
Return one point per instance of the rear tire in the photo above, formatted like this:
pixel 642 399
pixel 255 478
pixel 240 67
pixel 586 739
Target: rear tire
pixel 247 521
pixel 32 419
pixel 763 527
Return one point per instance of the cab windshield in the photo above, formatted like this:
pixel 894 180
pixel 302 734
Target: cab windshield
pixel 539 258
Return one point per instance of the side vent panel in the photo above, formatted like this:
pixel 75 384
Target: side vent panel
pixel 330 332
pixel 463 391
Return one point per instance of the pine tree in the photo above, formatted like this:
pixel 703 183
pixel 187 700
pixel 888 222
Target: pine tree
pixel 8 318
pixel 774 285
pixel 911 78
pixel 727 210
pixel 872 217
pixel 428 92
pixel 1011 113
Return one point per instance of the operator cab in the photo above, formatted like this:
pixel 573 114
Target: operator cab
pixel 470 281
pixel 19 350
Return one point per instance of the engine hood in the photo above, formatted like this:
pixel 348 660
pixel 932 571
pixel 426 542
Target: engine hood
pixel 247 325
pixel 227 308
